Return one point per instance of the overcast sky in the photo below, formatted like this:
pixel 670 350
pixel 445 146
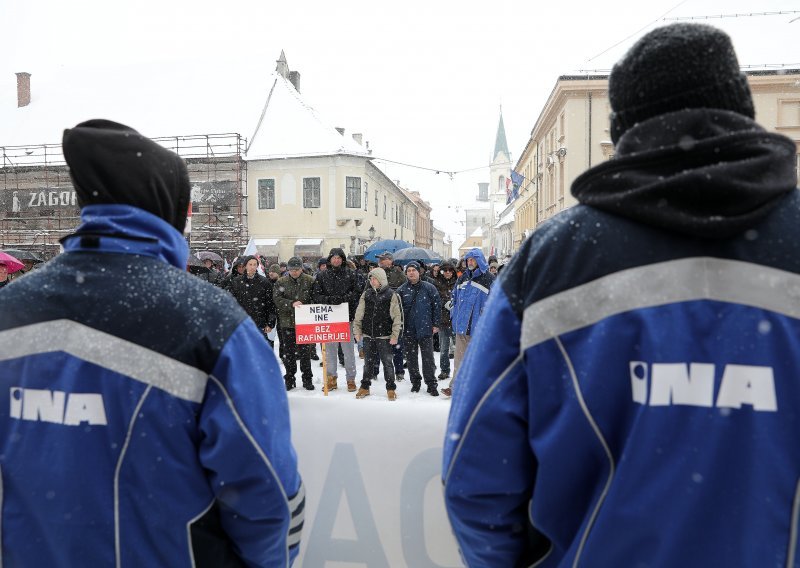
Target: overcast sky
pixel 422 80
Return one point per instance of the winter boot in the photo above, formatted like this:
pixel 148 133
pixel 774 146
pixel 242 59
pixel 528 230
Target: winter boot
pixel 290 383
pixel 400 376
pixel 332 382
pixel 446 391
pixel 391 395
pixel 351 385
pixel 444 375
pixel 362 392
pixel 308 385
pixel 433 391
pixel 415 386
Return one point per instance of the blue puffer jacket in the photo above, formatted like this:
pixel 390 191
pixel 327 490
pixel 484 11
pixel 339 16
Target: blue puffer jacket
pixel 422 308
pixel 143 418
pixel 470 294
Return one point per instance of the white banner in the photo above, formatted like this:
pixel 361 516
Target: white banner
pixel 373 484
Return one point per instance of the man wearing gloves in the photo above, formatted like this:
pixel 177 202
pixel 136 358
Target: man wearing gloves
pixel 147 441
pixel 630 397
pixel 379 319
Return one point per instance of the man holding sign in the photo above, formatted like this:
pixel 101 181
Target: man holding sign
pixel 339 285
pixel 290 291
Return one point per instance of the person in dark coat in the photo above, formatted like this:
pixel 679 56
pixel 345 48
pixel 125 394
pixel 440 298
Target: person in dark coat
pixel 237 269
pixel 445 282
pixel 339 285
pixel 254 294
pixel 422 311
pixel 630 396
pixel 289 291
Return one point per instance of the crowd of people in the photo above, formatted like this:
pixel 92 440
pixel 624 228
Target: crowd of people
pixel 399 314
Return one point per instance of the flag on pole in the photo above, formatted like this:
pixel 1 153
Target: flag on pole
pixel 508 191
pixel 516 180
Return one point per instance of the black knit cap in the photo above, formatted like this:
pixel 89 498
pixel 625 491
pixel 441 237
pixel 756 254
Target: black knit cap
pixel 676 67
pixel 111 163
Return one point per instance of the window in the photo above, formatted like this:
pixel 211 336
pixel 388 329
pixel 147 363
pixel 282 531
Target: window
pixel 311 193
pixel 366 195
pixel 384 207
pixel 352 192
pixel 266 194
pixel 376 203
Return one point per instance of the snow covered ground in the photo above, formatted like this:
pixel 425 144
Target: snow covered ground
pixel 372 470
pixel 378 389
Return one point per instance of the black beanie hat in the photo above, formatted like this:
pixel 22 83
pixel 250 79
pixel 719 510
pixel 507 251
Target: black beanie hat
pixel 676 67
pixel 111 163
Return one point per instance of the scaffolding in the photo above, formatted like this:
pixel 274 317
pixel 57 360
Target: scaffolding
pixel 38 205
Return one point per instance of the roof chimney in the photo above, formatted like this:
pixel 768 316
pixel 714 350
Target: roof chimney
pixel 23 89
pixel 294 78
pixel 357 138
pixel 340 130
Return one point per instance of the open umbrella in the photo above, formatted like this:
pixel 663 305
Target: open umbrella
pixel 12 264
pixel 386 245
pixel 24 255
pixel 406 255
pixel 195 265
pixel 208 255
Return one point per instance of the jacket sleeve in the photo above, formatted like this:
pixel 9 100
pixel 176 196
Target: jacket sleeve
pixel 247 452
pixel 488 466
pixel 436 306
pixel 396 313
pixel 281 301
pixel 359 316
pixel 269 301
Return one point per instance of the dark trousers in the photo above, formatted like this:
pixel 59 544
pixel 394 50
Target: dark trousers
pixel 376 351
pixel 425 346
pixel 291 352
pixel 397 357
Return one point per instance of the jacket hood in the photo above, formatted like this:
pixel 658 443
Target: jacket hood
pixel 380 274
pixel 337 252
pixel 702 172
pixel 124 229
pixel 477 254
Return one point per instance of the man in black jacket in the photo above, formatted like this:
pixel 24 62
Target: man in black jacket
pixel 339 285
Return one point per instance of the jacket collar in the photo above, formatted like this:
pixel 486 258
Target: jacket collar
pixel 124 229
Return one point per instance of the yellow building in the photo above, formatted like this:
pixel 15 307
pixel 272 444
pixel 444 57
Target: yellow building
pixel 572 134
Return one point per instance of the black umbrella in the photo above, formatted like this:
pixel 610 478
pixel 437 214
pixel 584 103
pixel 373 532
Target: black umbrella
pixel 208 255
pixel 406 255
pixel 195 265
pixel 20 254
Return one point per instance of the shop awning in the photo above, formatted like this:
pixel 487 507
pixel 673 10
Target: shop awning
pixel 309 249
pixel 262 246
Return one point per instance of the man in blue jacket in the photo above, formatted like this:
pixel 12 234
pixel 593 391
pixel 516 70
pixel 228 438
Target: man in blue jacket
pixel 630 397
pixel 469 298
pixel 143 419
pixel 421 315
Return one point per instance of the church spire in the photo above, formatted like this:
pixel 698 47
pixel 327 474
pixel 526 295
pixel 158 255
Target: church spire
pixel 500 144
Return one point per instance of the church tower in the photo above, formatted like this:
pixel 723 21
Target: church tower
pixel 499 177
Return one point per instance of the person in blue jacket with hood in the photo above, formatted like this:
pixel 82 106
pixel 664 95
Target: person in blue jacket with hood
pixel 143 417
pixel 631 395
pixel 469 298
